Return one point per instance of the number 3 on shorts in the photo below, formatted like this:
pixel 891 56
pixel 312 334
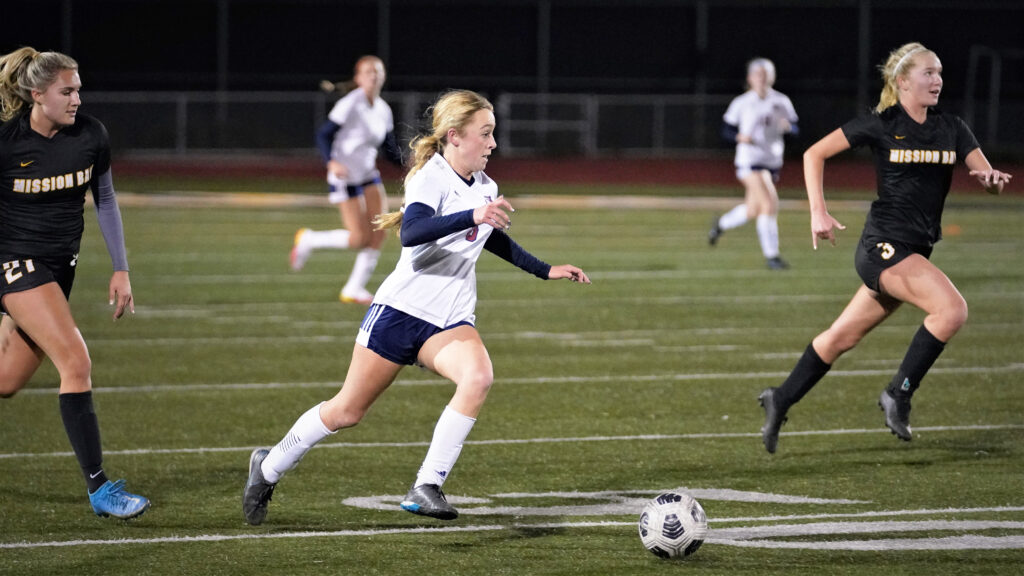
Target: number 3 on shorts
pixel 12 270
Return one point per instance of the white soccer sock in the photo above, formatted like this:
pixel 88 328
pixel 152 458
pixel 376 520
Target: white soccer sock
pixel 768 234
pixel 733 218
pixel 366 263
pixel 307 431
pixel 449 434
pixel 316 239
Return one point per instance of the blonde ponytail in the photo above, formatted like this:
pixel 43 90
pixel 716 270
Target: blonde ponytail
pixel 899 63
pixel 453 110
pixel 25 70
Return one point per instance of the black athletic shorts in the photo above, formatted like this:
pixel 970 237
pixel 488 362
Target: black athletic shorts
pixel 20 274
pixel 875 255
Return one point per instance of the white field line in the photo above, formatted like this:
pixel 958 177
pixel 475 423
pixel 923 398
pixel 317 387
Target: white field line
pixel 622 379
pixel 739 536
pixel 515 441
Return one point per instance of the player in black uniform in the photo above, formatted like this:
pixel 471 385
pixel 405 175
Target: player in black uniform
pixel 49 155
pixel 915 149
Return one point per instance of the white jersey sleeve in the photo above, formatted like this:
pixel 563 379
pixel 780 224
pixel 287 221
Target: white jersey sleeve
pixel 436 281
pixel 341 110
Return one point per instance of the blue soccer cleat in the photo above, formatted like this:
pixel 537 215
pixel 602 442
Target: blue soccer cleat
pixel 112 499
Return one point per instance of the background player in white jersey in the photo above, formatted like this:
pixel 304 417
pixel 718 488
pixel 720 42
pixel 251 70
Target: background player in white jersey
pixel 360 123
pixel 50 155
pixel 424 312
pixel 757 120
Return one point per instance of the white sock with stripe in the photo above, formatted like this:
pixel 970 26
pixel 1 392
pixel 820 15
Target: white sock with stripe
pixel 449 434
pixel 307 431
pixel 365 264
pixel 733 218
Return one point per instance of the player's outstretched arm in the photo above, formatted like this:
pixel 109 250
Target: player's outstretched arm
pixel 993 180
pixel 569 271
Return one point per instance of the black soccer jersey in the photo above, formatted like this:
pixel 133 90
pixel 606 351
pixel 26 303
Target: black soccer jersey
pixel 914 164
pixel 43 183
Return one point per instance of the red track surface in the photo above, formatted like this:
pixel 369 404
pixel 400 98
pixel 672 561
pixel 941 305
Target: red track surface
pixel 840 173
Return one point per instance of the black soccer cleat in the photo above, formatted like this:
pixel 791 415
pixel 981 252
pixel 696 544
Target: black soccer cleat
pixel 773 420
pixel 897 415
pixel 715 232
pixel 428 500
pixel 257 491
pixel 777 263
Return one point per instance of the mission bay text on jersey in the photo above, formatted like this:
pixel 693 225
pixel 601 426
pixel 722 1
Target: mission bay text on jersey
pixel 922 156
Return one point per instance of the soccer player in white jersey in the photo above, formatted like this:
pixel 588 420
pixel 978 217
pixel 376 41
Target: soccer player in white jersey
pixel 757 120
pixel 359 124
pixel 424 312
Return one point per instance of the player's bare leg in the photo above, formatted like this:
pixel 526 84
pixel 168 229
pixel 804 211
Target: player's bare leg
pixel 19 357
pixel 459 355
pixel 44 316
pixel 921 283
pixel 374 203
pixel 368 376
pixel 865 310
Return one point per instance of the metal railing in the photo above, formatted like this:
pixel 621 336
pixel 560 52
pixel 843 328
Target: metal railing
pixel 529 124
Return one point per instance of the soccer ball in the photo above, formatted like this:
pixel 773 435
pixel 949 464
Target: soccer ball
pixel 673 524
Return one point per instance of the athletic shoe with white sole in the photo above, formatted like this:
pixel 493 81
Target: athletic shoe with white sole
pixel 257 490
pixel 112 499
pixel 897 415
pixel 362 296
pixel 428 500
pixel 300 253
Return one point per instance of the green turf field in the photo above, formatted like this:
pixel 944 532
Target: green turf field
pixel 605 395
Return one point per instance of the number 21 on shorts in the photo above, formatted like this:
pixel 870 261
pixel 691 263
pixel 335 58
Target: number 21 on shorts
pixel 13 270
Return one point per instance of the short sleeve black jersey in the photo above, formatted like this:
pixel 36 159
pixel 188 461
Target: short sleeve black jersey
pixel 43 182
pixel 914 165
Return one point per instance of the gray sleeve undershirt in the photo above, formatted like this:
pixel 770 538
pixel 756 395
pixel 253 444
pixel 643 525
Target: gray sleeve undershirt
pixel 109 216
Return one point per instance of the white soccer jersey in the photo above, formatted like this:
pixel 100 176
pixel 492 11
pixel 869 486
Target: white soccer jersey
pixel 363 129
pixel 759 118
pixel 436 281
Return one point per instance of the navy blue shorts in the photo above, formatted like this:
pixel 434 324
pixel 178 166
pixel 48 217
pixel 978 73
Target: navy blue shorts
pixel 337 194
pixel 395 335
pixel 875 255
pixel 744 171
pixel 20 274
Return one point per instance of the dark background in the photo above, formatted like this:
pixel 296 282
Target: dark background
pixel 826 53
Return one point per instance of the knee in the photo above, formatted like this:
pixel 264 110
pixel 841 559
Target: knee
pixel 335 417
pixel 9 389
pixel 79 369
pixel 477 382
pixel 952 318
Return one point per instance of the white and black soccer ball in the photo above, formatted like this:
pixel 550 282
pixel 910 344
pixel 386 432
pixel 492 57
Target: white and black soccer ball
pixel 673 525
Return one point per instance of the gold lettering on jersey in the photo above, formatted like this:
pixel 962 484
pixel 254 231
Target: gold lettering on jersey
pixel 922 156
pixel 52 183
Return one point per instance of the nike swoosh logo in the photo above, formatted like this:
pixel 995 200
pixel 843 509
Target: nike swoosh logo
pixel 96 474
pixel 898 137
pixel 23 164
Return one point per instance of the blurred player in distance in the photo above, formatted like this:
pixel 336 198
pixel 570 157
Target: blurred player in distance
pixel 50 154
pixel 915 148
pixel 359 124
pixel 756 121
pixel 424 311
